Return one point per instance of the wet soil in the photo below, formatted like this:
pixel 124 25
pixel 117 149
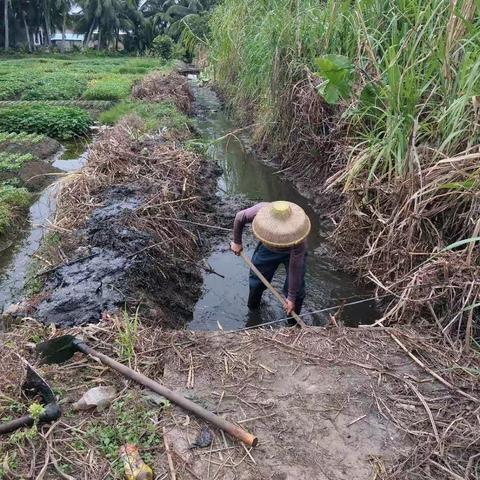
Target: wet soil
pixel 43 150
pixel 94 279
pixel 19 248
pixel 111 258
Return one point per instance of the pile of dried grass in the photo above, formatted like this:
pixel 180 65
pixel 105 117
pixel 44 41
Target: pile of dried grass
pixel 170 176
pixel 438 408
pixel 413 246
pixel 158 87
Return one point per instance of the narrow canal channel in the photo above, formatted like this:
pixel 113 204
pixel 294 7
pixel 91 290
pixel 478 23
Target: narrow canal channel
pixel 223 303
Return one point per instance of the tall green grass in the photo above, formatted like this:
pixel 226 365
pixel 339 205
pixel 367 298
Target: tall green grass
pixel 402 141
pixel 413 85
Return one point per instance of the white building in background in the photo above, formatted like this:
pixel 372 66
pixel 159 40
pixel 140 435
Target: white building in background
pixel 71 40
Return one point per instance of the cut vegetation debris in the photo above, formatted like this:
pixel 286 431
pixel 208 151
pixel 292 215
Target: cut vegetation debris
pixel 382 403
pixel 117 219
pixel 158 87
pixel 377 101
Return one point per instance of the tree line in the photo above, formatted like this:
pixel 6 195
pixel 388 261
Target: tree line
pixel 106 23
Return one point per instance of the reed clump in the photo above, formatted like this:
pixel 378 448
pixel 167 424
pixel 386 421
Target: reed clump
pixel 393 127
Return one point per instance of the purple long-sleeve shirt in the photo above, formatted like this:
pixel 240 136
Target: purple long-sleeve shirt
pixel 297 252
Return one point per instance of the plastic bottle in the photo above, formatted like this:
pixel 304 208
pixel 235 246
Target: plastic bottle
pixel 135 467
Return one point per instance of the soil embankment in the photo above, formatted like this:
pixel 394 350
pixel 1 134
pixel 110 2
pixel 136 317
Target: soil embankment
pixel 125 242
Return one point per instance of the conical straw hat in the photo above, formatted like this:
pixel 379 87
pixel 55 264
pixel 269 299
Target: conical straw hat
pixel 281 224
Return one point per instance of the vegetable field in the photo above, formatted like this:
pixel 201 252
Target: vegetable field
pixel 58 97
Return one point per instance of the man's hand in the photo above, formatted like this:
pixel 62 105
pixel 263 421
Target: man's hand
pixel 236 248
pixel 289 306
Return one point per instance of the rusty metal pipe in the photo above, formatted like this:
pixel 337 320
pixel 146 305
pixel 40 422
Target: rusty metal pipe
pixel 225 425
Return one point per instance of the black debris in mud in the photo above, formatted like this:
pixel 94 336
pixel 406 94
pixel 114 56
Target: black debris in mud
pixel 97 279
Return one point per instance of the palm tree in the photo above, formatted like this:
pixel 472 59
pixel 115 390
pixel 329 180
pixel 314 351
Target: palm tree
pixel 61 17
pixel 22 10
pixel 6 23
pixel 103 15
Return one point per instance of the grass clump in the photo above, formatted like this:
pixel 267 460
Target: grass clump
pixel 13 201
pixel 154 115
pixel 54 121
pixel 109 88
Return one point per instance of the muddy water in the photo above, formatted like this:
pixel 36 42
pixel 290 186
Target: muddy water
pixel 223 303
pixel 14 260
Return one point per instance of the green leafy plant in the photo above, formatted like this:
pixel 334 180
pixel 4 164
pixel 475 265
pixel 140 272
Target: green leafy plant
pixel 337 74
pixel 54 121
pixel 12 162
pixel 163 45
pixel 56 86
pixel 13 200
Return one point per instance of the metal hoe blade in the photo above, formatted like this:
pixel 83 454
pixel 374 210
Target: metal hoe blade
pixel 57 350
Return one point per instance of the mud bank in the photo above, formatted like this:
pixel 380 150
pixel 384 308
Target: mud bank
pixel 324 403
pixel 128 227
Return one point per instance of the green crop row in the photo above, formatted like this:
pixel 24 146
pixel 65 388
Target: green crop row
pixel 98 104
pixel 57 79
pixel 22 137
pixel 12 162
pixel 113 87
pixel 54 121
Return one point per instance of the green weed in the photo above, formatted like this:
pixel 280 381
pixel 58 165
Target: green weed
pixel 154 115
pixel 130 422
pixel 127 335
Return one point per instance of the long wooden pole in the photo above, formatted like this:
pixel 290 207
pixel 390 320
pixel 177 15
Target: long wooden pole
pixel 279 297
pixel 175 397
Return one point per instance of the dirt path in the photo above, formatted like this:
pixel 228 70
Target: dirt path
pixel 310 406
pixel 333 403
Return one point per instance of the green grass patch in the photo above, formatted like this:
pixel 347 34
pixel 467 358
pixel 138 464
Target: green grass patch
pixel 108 88
pixel 153 114
pixel 54 121
pixel 13 201
pixel 129 421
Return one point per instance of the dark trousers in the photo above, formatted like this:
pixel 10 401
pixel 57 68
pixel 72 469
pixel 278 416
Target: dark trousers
pixel 267 261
